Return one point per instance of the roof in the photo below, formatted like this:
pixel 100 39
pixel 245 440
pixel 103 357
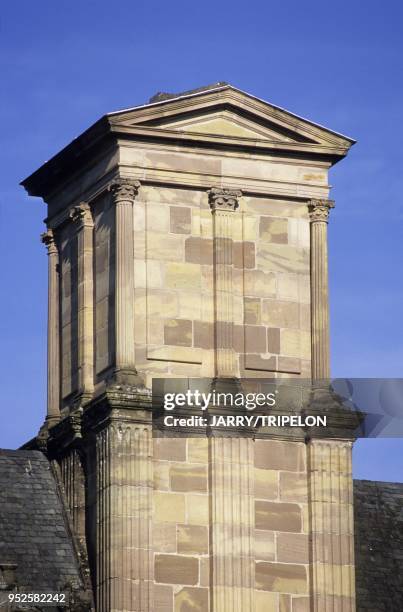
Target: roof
pixel 186 119
pixel 378 510
pixel 35 535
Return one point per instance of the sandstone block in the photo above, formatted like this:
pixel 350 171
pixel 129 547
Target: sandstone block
pixel 176 569
pixel 259 283
pixel 266 602
pixel 197 509
pixel 189 478
pixel 170 449
pixel 252 311
pixel 184 276
pixel 164 537
pixel 282 258
pixel 194 599
pixel 292 548
pixel 273 230
pixel 169 507
pixel 266 484
pixel 278 313
pixel 255 339
pixel 273 340
pixel 180 220
pixel 178 332
pixel 197 449
pixel 243 254
pixel 278 516
pixel 278 455
pixel 164 247
pixel 265 548
pixel 192 539
pixel 199 250
pixel 203 334
pixel 163 598
pixel 294 486
pixel 281 577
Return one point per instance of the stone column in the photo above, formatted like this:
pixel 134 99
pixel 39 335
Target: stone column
pixel 223 204
pixel 319 214
pixel 124 514
pixel 232 524
pixel 53 410
pixel 82 217
pixel 332 528
pixel 124 192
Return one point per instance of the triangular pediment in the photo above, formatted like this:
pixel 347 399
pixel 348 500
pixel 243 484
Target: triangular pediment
pixel 227 113
pixel 224 123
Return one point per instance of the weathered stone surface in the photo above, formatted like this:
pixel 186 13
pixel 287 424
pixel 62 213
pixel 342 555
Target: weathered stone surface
pixel 293 486
pixel 169 507
pixel 176 569
pixel 265 547
pixel 193 599
pixel 276 455
pixel 197 509
pixel 178 332
pixel 281 577
pixel 273 230
pixel 278 516
pixel 170 449
pixel 255 339
pixel 188 478
pixel 252 307
pixel 180 220
pixel 273 340
pixel 292 548
pixel 192 539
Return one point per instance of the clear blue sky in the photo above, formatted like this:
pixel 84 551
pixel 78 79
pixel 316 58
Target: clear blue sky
pixel 64 64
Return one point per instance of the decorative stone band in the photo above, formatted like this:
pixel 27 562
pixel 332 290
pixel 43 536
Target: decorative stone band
pixel 53 408
pixel 224 199
pixel 319 210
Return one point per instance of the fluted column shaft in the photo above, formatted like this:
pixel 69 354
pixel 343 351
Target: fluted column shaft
pixel 319 214
pixel 332 526
pixel 232 524
pixel 223 203
pixel 124 574
pixel 124 193
pixel 53 407
pixel 82 217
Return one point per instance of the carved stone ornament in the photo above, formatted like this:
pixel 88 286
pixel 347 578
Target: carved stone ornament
pixel 224 199
pixel 48 239
pixel 81 213
pixel 319 210
pixel 124 190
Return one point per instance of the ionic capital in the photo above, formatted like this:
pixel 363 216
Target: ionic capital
pixel 48 239
pixel 124 190
pixel 81 214
pixel 224 199
pixel 319 210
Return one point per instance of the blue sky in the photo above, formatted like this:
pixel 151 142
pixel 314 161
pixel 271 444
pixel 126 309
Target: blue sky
pixel 65 64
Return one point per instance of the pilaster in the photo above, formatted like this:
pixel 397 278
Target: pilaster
pixel 332 528
pixel 232 524
pixel 319 215
pixel 124 193
pixel 124 507
pixel 82 217
pixel 53 407
pixel 223 204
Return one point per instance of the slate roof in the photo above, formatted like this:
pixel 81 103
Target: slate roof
pixel 34 532
pixel 378 510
